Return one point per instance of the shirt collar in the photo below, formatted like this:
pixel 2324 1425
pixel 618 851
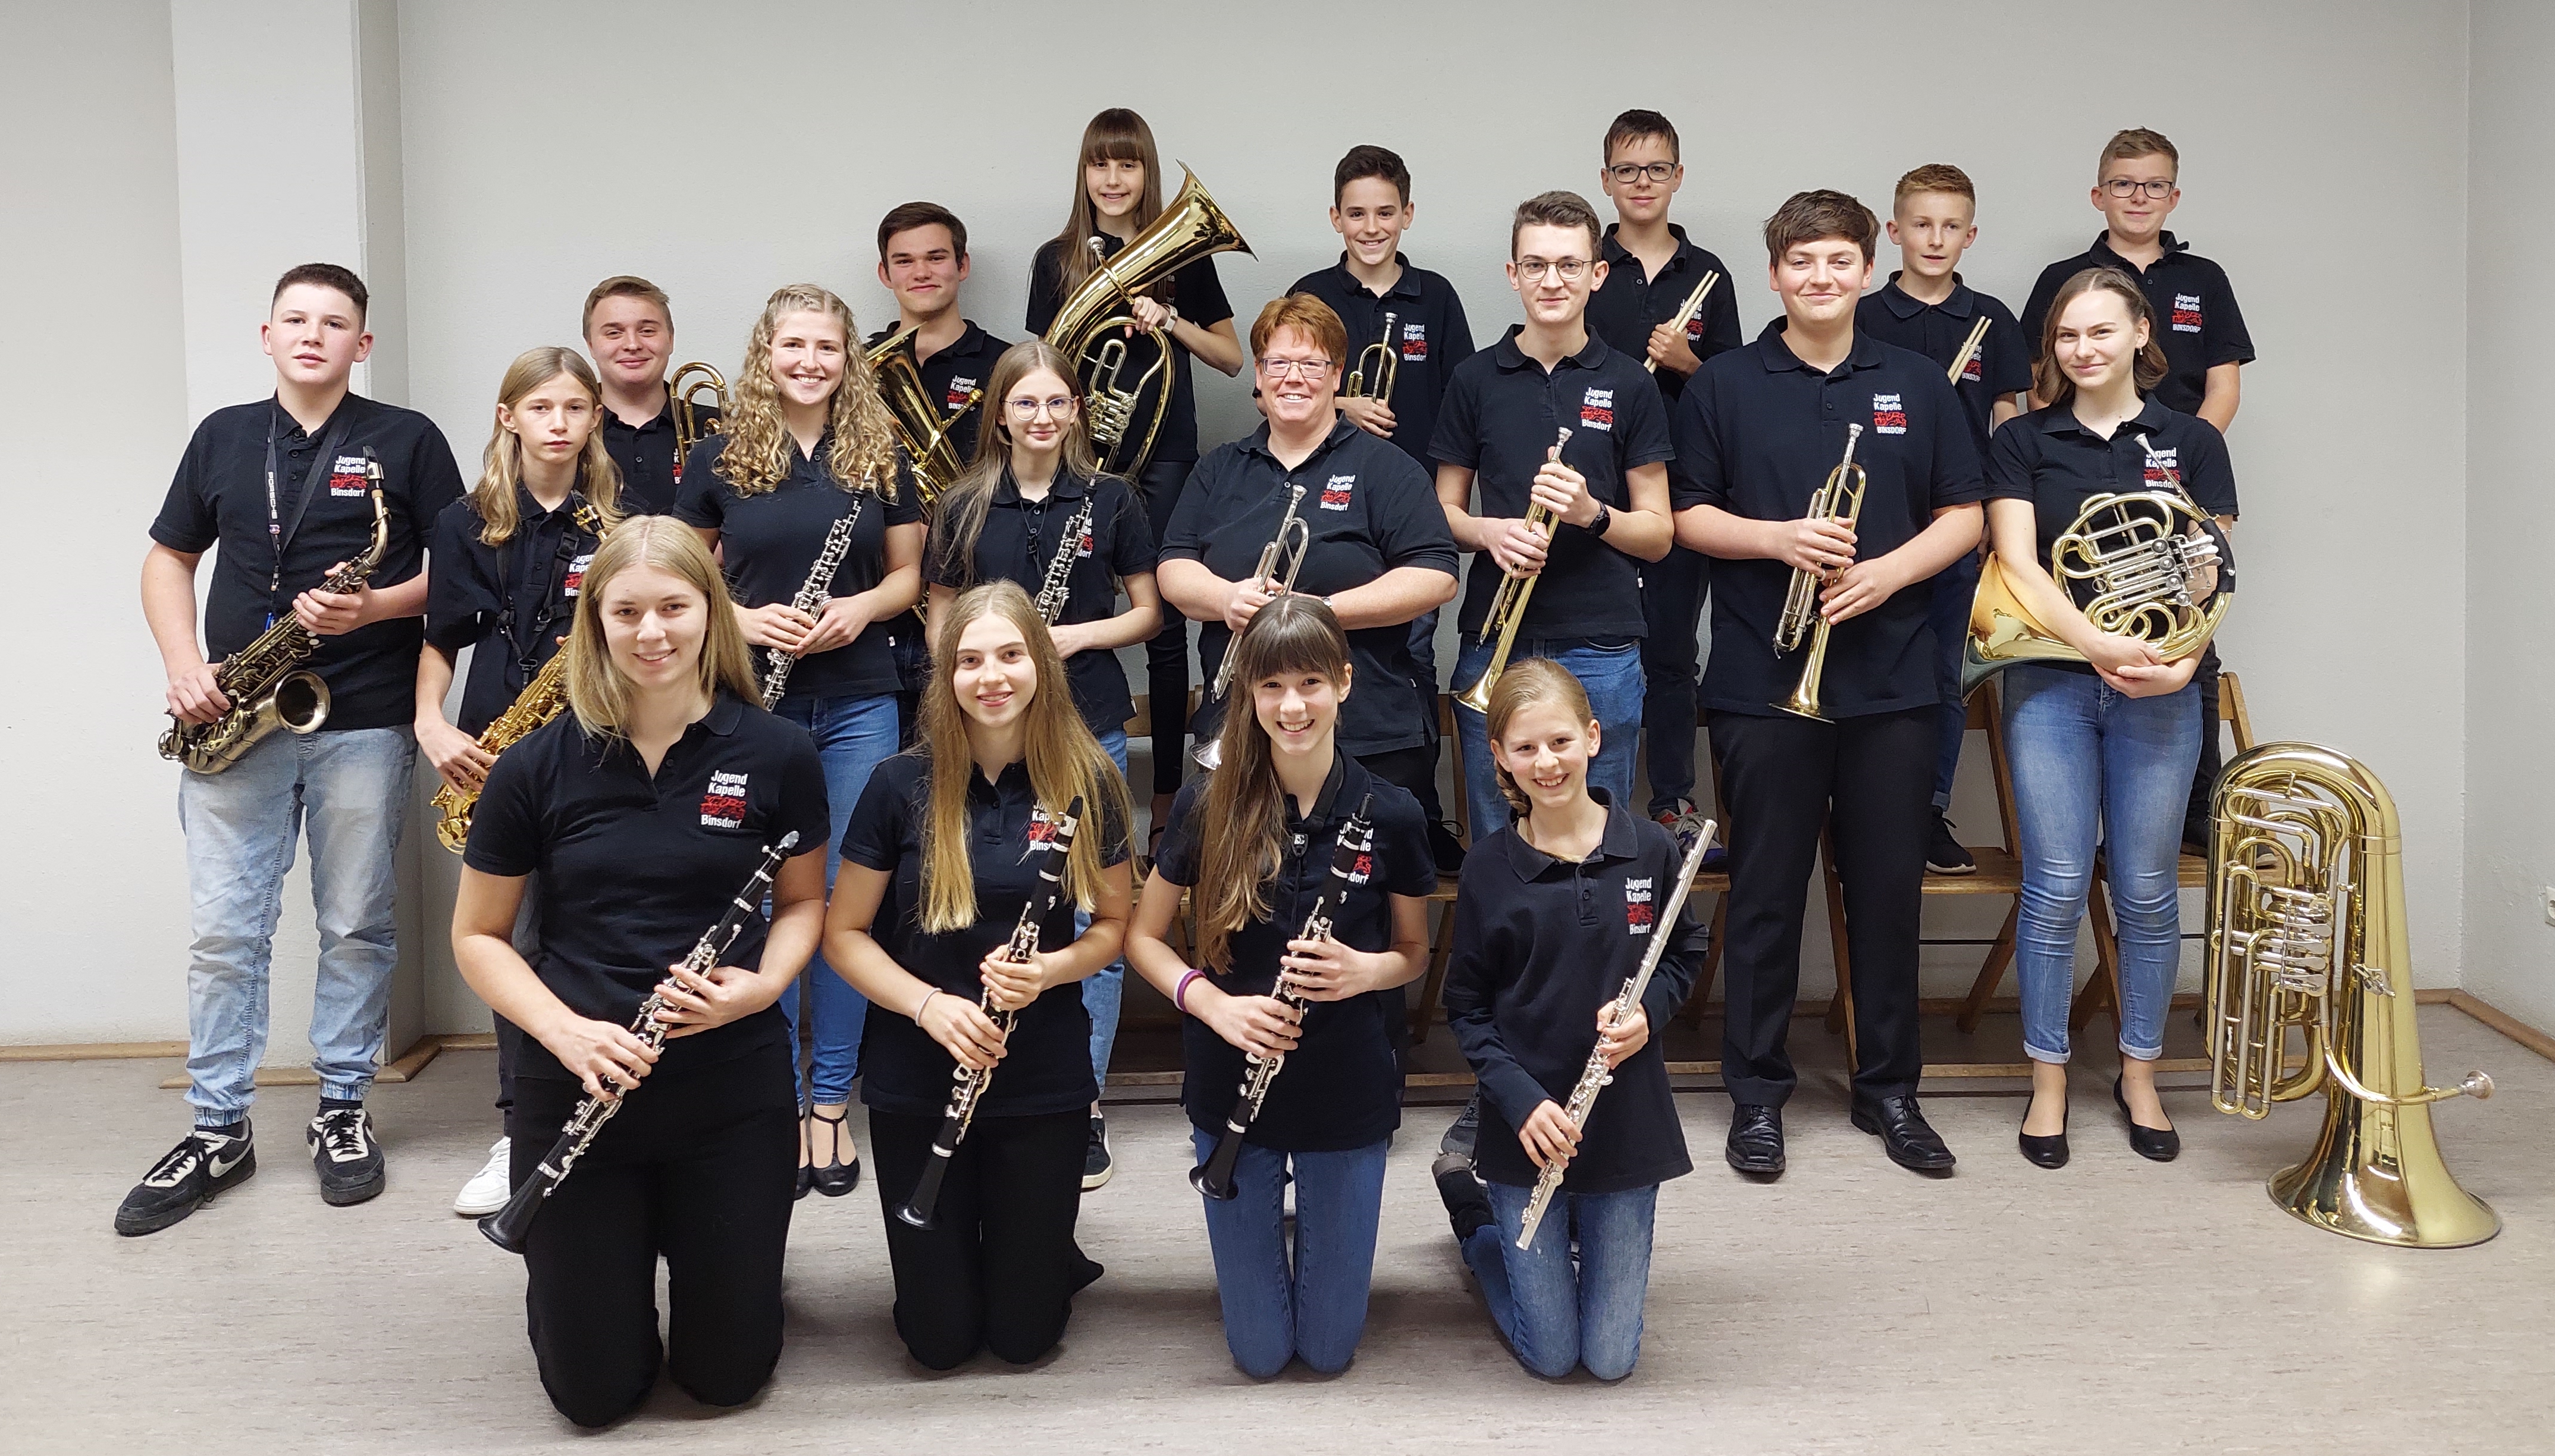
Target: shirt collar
pixel 2102 252
pixel 1405 285
pixel 1778 358
pixel 1618 842
pixel 1507 356
pixel 2061 419
pixel 1256 443
pixel 1959 305
pixel 1611 252
pixel 1341 766
pixel 1066 486
pixel 726 711
pixel 1013 780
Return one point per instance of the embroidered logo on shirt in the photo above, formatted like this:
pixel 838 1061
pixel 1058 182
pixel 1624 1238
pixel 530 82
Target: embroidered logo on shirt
pixel 2165 457
pixel 1414 341
pixel 1597 410
pixel 1637 913
pixel 1889 416
pixel 2186 313
pixel 576 573
pixel 1365 869
pixel 1976 369
pixel 723 805
pixel 1694 330
pixel 1082 548
pixel 959 389
pixel 346 476
pixel 1335 492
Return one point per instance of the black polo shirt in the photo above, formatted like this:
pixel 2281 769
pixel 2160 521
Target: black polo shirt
pixel 1539 944
pixel 1369 509
pixel 1630 305
pixel 1755 436
pixel 2049 458
pixel 1341 1087
pixel 1047 1068
pixel 651 473
pixel 1502 412
pixel 948 377
pixel 768 542
pixel 1999 369
pixel 1018 542
pixel 2197 320
pixel 324 514
pixel 634 868
pixel 1199 296
pixel 511 601
pixel 1428 331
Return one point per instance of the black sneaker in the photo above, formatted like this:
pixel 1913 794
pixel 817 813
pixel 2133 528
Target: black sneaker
pixel 1468 1208
pixel 1465 1130
pixel 1682 821
pixel 344 1151
pixel 1096 1167
pixel 204 1164
pixel 1446 848
pixel 1945 854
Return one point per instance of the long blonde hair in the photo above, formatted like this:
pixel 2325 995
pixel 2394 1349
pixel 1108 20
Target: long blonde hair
pixel 1530 684
pixel 596 691
pixel 501 466
pixel 960 518
pixel 1066 762
pixel 1115 135
pixel 1241 824
pixel 757 457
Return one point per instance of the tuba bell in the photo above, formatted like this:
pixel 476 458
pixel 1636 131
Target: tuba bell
pixel 684 396
pixel 2307 935
pixel 1191 228
pixel 919 422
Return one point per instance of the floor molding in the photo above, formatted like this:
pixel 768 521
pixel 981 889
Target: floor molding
pixel 399 1069
pixel 2501 1021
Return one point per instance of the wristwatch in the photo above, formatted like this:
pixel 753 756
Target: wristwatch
pixel 1605 518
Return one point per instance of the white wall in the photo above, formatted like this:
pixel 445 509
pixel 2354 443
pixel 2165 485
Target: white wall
pixel 2510 518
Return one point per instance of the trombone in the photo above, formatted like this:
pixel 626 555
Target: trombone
pixel 682 396
pixel 1840 498
pixel 1388 367
pixel 1508 604
pixel 1279 561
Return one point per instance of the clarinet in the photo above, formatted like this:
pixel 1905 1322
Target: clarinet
pixel 509 1226
pixel 1214 1178
pixel 813 596
pixel 968 1086
pixel 1057 586
pixel 1596 1074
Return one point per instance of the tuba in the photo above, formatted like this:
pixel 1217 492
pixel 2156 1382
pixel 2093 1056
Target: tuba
pixel 2136 553
pixel 2306 933
pixel 919 424
pixel 682 396
pixel 1837 498
pixel 1191 230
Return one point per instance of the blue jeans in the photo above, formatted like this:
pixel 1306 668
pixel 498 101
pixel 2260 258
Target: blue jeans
pixel 1612 677
pixel 1108 985
pixel 351 789
pixel 1955 586
pixel 1312 1307
pixel 854 735
pixel 2093 768
pixel 1554 1315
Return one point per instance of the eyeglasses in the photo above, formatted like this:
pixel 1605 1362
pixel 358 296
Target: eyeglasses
pixel 1534 269
pixel 2122 187
pixel 1627 171
pixel 1300 368
pixel 1059 406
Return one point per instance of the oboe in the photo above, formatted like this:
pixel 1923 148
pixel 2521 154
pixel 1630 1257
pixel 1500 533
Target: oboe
pixel 509 1226
pixel 1057 586
pixel 812 595
pixel 1354 853
pixel 1596 1074
pixel 968 1086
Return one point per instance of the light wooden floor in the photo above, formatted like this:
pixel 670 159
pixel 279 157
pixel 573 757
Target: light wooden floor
pixel 2113 1306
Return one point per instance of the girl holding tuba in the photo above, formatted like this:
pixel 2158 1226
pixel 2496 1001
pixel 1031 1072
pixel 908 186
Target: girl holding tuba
pixel 507 561
pixel 947 844
pixel 808 499
pixel 2101 751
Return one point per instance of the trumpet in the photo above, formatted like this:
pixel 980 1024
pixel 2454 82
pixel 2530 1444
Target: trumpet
pixel 682 396
pixel 919 424
pixel 1388 367
pixel 1840 498
pixel 1279 561
pixel 1508 604
pixel 1685 313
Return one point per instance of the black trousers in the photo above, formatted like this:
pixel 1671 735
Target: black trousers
pixel 1673 591
pixel 700 1169
pixel 1000 1268
pixel 2195 820
pixel 1782 778
pixel 1167 654
pixel 1413 768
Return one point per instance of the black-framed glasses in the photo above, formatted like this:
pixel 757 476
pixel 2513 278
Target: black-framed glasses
pixel 1632 171
pixel 1569 269
pixel 1300 368
pixel 2122 186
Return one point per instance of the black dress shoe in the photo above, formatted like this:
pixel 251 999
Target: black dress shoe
pixel 833 1178
pixel 2049 1152
pixel 1904 1131
pixel 2155 1145
pixel 1755 1139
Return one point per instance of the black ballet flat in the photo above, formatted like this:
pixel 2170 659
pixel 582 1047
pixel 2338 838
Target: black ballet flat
pixel 2050 1151
pixel 807 1180
pixel 2155 1145
pixel 834 1180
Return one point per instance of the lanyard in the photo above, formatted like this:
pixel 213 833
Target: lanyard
pixel 279 531
pixel 274 518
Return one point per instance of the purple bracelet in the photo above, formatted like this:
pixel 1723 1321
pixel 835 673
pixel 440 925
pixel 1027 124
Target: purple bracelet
pixel 1180 993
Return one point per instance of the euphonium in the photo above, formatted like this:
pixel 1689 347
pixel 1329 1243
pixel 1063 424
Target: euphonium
pixel 1279 561
pixel 682 396
pixel 1837 498
pixel 1387 359
pixel 1508 603
pixel 1191 230
pixel 2307 933
pixel 2136 553
pixel 265 681
pixel 918 421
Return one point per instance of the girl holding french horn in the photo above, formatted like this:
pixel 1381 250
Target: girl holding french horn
pixel 2102 732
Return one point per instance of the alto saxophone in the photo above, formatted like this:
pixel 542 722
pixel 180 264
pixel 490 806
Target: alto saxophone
pixel 812 595
pixel 542 700
pixel 265 684
pixel 1057 586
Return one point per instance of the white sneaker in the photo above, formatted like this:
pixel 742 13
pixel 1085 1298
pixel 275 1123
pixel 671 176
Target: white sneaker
pixel 489 1188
